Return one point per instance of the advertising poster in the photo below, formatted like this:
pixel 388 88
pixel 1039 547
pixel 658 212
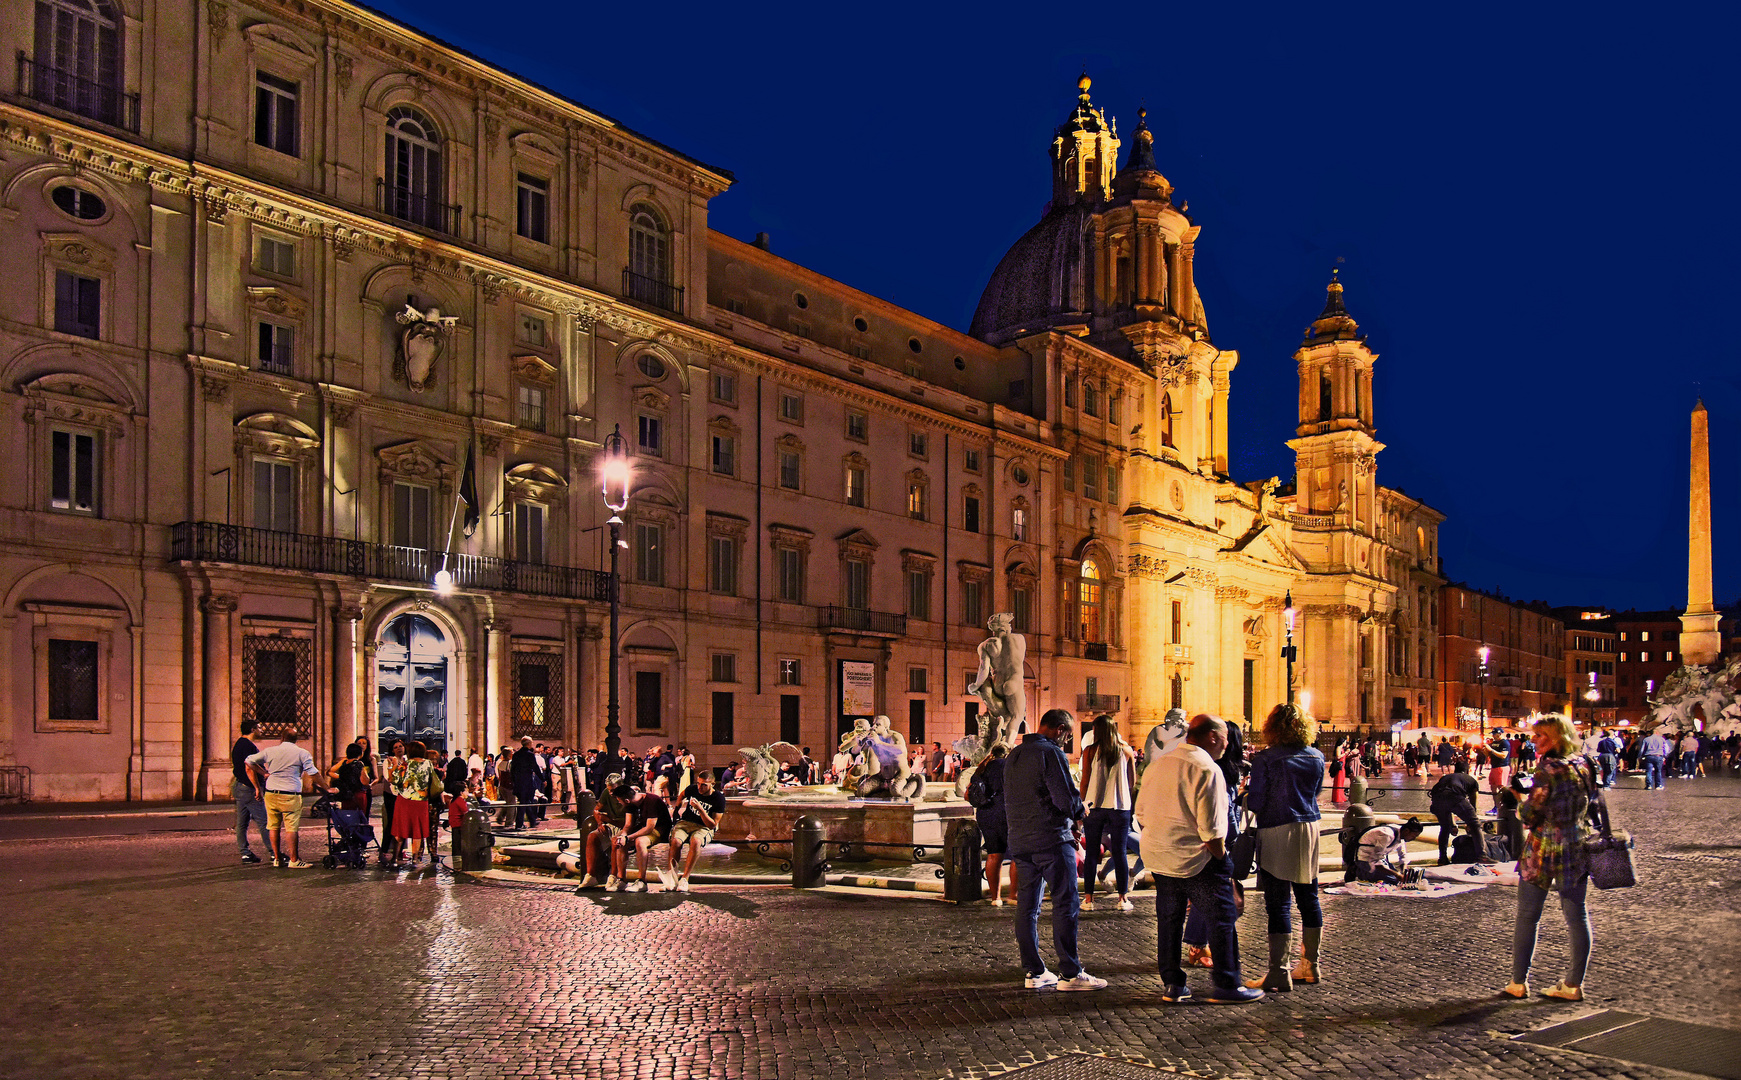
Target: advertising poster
pixel 858 687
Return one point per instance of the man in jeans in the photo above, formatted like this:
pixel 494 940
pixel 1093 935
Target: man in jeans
pixel 1652 753
pixel 1040 806
pixel 1182 808
pixel 250 807
pixel 281 771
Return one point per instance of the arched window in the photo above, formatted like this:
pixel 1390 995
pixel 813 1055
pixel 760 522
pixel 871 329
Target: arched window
pixel 78 61
pixel 649 245
pixel 1166 420
pixel 412 188
pixel 1090 397
pixel 1325 397
pixel 1088 602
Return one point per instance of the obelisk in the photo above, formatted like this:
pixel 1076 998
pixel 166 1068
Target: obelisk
pixel 1700 642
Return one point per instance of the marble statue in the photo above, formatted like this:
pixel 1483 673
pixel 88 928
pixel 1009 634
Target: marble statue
pixel 1170 732
pixel 887 774
pixel 999 686
pixel 852 748
pixel 763 765
pixel 420 344
pixel 1712 689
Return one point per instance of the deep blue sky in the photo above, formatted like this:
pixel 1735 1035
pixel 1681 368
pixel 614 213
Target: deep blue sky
pixel 1536 208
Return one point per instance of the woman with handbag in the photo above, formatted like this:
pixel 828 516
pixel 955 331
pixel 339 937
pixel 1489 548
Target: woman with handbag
pixel 1285 780
pixel 1108 783
pixel 1556 813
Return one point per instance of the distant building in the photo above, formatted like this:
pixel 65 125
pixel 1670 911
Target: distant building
pixel 1525 665
pixel 1592 651
pixel 1645 644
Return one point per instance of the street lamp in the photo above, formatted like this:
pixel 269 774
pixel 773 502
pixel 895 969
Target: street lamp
pixel 1592 695
pixel 1290 652
pixel 1484 652
pixel 614 477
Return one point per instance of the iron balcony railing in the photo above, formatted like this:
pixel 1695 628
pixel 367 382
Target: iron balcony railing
pixel 862 621
pixel 76 94
pixel 421 210
pixel 652 291
pixel 210 541
pixel 1094 650
pixel 1107 703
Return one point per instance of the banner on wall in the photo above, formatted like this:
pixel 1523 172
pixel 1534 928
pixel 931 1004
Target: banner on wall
pixel 858 687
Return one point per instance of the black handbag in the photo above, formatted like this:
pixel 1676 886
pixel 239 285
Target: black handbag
pixel 1609 852
pixel 1242 853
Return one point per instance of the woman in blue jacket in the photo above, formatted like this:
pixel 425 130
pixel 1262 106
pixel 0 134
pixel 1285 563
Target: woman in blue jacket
pixel 1285 779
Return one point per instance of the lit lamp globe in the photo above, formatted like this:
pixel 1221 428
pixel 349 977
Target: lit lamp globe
pixel 614 473
pixel 444 582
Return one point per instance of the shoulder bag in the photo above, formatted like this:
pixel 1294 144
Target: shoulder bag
pixel 1609 852
pixel 1242 852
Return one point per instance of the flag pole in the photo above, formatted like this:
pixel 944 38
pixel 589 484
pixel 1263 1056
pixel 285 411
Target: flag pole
pixel 444 580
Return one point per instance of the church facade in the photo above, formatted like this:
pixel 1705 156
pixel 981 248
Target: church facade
pixel 249 362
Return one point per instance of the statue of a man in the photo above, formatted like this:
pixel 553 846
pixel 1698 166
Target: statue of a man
pixel 1001 658
pixel 857 765
pixel 887 772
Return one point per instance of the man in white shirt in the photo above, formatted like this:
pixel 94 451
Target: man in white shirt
pixel 280 772
pixel 1383 854
pixel 1182 809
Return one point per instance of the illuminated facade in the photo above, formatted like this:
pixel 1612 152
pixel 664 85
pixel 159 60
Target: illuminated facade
pixel 285 273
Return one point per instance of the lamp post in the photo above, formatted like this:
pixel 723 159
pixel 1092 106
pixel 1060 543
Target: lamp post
pixel 1483 652
pixel 1290 651
pixel 1592 695
pixel 614 475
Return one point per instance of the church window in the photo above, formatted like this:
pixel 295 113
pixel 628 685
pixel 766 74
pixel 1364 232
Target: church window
pixel 1325 408
pixel 1089 602
pixel 1166 420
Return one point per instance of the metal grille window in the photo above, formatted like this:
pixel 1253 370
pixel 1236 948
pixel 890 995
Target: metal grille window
pixel 73 472
pixel 532 407
pixel 278 684
pixel 275 102
pixel 723 667
pixel 532 208
pixel 722 565
pixel 274 495
pixel 789 566
pixel 78 304
pixel 649 553
pixel 276 348
pixel 529 521
pixel 275 687
pixel 72 680
pixel 411 516
pixel 537 694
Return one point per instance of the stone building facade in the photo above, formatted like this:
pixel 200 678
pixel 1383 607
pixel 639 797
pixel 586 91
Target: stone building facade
pixel 289 277
pixel 1525 661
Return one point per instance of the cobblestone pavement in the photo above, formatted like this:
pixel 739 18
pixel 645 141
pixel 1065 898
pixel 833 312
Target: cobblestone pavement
pixel 159 956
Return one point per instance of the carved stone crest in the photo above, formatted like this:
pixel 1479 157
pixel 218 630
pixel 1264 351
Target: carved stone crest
pixel 422 338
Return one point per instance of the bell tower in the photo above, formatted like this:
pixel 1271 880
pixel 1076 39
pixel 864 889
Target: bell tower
pixel 1084 153
pixel 1335 451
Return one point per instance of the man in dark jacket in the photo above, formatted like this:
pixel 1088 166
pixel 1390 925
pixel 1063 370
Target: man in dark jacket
pixel 1040 807
pixel 527 777
pixel 1454 797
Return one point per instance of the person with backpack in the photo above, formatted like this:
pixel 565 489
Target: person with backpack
pixel 1108 788
pixel 985 795
pixel 1452 798
pixel 1384 852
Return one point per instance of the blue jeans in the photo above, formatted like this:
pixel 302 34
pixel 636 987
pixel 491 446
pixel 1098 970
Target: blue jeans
pixel 1530 899
pixel 1279 897
pixel 249 807
pixel 1689 762
pixel 1054 869
pixel 1211 891
pixel 1609 763
pixel 1114 825
pixel 1652 772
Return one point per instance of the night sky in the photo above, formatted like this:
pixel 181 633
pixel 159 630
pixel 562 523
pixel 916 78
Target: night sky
pixel 1536 212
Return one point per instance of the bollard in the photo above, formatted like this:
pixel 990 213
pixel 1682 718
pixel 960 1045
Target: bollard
pixel 1355 821
pixel 585 802
pixel 1357 789
pixel 961 862
pixel 809 844
pixel 475 841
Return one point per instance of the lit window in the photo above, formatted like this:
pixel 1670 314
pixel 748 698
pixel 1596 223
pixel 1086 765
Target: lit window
pixel 532 208
pixel 73 472
pixel 275 113
pixel 1019 524
pixel 276 348
pixel 854 485
pixel 1088 602
pixel 916 501
pixel 791 673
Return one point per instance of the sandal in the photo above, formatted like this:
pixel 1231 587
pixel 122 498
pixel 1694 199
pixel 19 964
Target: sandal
pixel 1563 992
pixel 1197 956
pixel 1518 991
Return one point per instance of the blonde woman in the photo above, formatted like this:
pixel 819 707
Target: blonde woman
pixel 1285 780
pixel 1556 815
pixel 1108 787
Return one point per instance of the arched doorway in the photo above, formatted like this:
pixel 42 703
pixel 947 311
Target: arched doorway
pixel 413 666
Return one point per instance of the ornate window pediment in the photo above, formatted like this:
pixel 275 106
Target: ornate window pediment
pixel 651 397
pixel 76 399
pixel 790 536
pixel 415 461
pixel 971 491
pixel 857 460
pixel 1022 568
pixel 531 482
pixel 790 442
pixel 276 301
pixel 277 434
pixel 536 146
pixel 856 543
pixel 534 369
pixel 727 525
pixel 972 571
pixel 77 249
pixel 723 425
pixel 922 561
pixel 917 476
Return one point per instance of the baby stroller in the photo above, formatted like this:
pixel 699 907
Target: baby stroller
pixel 348 834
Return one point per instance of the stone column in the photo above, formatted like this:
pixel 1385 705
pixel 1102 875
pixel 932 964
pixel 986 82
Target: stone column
pixel 1700 642
pixel 220 609
pixel 346 664
pixel 1188 276
pixel 496 681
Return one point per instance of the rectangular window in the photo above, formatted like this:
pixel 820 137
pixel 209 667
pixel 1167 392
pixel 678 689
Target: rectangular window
pixel 790 712
pixel 789 470
pixel 649 703
pixel 722 565
pixel 916 721
pixel 857 592
pixel 724 710
pixel 276 256
pixel 649 553
pixel 858 426
pixel 917 443
pixel 78 304
pixel 918 594
pixel 532 329
pixel 1018 524
pixel 274 495
pixel 725 387
pixel 725 455
pixel 411 516
pixel 791 672
pixel 1091 476
pixel 275 113
pixel 532 407
pixel 1069 467
pixel 1111 484
pixel 649 435
pixel 970 514
pixel 73 472
pixel 1178 623
pixel 970 460
pixel 276 349
pixel 916 501
pixel 723 667
pixel 529 521
pixel 918 680
pixel 275 696
pixel 860 350
pixel 1021 610
pixel 532 208
pixel 791 407
pixel 972 603
pixel 854 486
pixel 789 567
pixel 72 680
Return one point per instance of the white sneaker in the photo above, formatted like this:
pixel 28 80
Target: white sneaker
pixel 1087 904
pixel 637 886
pixel 1083 981
pixel 997 901
pixel 613 882
pixel 1040 981
pixel 1126 905
pixel 683 884
pixel 589 882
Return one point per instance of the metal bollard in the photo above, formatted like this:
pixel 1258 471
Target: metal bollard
pixel 1356 820
pixel 961 862
pixel 808 847
pixel 1357 789
pixel 475 840
pixel 585 802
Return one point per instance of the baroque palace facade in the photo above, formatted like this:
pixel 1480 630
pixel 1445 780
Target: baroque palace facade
pixel 284 273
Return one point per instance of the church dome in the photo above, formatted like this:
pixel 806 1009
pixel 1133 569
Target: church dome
pixel 1041 281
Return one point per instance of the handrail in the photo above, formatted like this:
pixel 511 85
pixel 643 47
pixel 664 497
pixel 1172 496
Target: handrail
pixel 64 89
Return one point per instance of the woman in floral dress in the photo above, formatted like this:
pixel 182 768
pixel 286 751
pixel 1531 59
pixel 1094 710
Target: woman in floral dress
pixel 411 783
pixel 1556 813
